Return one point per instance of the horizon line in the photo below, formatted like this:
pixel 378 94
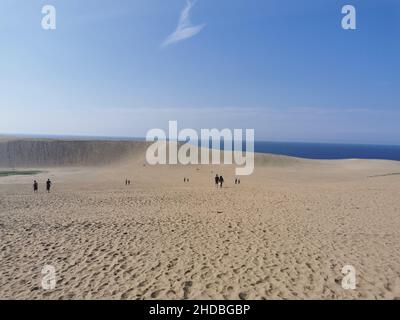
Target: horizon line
pixel 116 137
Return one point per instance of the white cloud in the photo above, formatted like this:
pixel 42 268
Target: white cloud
pixel 185 29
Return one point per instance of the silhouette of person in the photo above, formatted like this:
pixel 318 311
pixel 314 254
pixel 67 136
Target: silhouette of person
pixel 35 186
pixel 221 181
pixel 216 180
pixel 239 181
pixel 236 181
pixel 48 185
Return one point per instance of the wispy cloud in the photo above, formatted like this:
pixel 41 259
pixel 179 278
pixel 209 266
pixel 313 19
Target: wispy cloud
pixel 185 29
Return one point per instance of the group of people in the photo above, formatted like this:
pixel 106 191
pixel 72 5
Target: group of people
pixel 185 179
pixel 36 186
pixel 219 180
pixel 127 182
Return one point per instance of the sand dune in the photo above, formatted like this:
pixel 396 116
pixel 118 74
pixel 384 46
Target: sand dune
pixel 16 152
pixel 26 152
pixel 285 232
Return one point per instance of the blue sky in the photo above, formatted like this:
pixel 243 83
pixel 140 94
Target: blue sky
pixel 285 68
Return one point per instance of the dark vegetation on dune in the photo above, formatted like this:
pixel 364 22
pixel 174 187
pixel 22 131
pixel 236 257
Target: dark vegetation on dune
pixel 18 173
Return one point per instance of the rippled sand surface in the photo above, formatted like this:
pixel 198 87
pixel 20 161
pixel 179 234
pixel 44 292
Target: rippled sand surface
pixel 284 233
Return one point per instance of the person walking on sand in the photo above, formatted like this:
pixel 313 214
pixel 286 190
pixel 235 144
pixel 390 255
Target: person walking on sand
pixel 48 185
pixel 35 186
pixel 221 181
pixel 216 180
pixel 236 181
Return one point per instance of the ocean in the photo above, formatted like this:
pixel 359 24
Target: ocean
pixel 329 150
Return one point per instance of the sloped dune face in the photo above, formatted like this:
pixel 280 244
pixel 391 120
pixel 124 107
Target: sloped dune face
pixel 47 153
pixel 33 152
pixel 273 160
pixel 52 153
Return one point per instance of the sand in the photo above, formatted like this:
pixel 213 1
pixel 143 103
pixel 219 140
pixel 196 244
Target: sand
pixel 284 233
